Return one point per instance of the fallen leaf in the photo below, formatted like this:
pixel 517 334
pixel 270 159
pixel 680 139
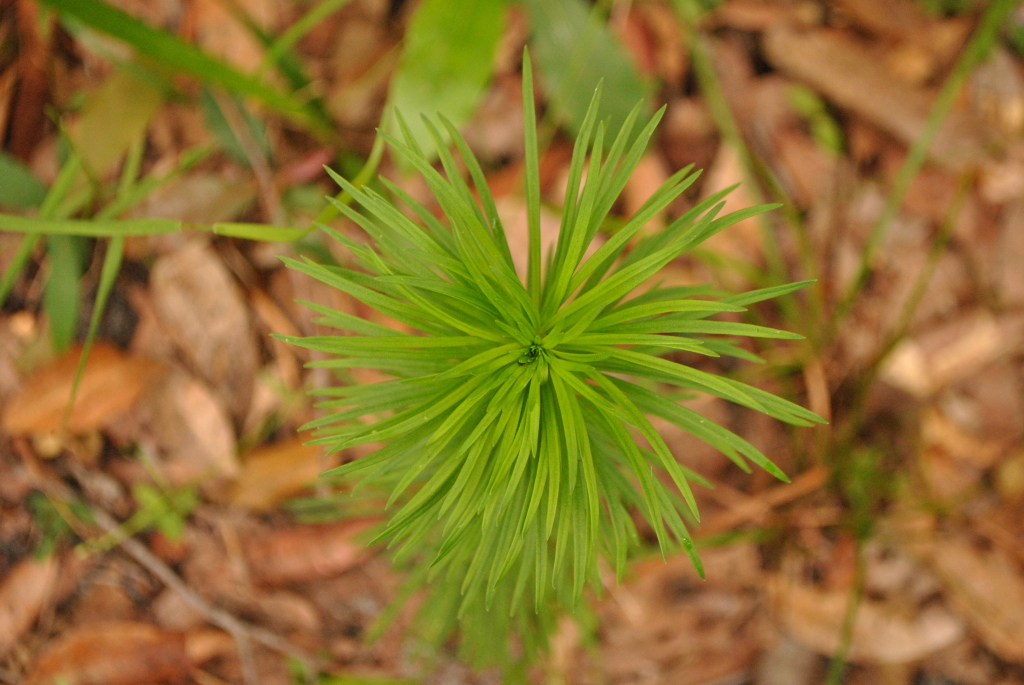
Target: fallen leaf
pixel 668 626
pixel 742 240
pixel 979 451
pixel 645 180
pixel 809 170
pixel 219 31
pixel 113 117
pixel 906 23
pixel 225 579
pixel 272 473
pixel 997 92
pixel 201 198
pixel 187 429
pixel 123 653
pixel 758 15
pixel 204 314
pixel 512 212
pixel 952 352
pixel 1010 254
pixel 192 431
pixel 986 588
pixel 853 78
pixel 111 384
pixel 23 591
pixel 882 632
pixel 301 553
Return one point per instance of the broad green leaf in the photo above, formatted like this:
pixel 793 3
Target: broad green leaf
pixel 447 62
pixel 575 51
pixel 19 189
pixel 114 116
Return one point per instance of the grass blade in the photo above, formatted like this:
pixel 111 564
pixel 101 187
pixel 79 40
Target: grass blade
pixel 172 52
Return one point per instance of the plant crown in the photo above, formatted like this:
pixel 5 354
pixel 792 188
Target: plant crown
pixel 510 427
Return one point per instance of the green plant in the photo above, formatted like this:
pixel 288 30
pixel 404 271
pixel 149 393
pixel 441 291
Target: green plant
pixel 510 455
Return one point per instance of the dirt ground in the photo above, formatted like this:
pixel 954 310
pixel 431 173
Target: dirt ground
pixel 176 533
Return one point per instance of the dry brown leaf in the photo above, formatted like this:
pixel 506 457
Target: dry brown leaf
pixel 668 626
pixel 742 241
pixel 1010 477
pixel 221 33
pixel 1010 254
pixel 201 198
pixel 203 645
pixel 194 431
pixel 986 588
pixel 650 174
pixel 744 509
pixel 7 81
pixel 189 429
pixel 276 321
pixel 205 316
pixel 688 134
pixel 810 170
pixel 852 77
pixel 301 553
pixel 758 15
pixel 123 653
pixel 512 212
pixel 111 384
pixel 882 632
pixel 272 473
pixel 977 450
pixel 997 92
pixel 496 129
pixel 23 591
pixel 950 353
pixel 905 22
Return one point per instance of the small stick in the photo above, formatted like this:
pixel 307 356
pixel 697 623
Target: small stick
pixel 241 631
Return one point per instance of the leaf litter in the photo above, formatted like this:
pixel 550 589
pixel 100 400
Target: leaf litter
pixel 945 567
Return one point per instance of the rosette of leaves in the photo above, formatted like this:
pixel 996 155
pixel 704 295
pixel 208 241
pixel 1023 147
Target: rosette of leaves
pixel 516 444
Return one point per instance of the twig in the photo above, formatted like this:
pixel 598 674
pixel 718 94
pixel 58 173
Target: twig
pixel 838 663
pixel 752 508
pixel 242 632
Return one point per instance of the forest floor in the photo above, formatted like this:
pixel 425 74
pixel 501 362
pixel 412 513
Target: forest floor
pixel 176 532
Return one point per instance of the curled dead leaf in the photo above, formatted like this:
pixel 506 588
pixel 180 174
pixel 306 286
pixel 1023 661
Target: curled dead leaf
pixel 895 622
pixel 23 591
pixel 986 588
pixel 271 474
pixel 301 553
pixel 204 314
pixel 121 653
pixel 111 385
pixel 851 76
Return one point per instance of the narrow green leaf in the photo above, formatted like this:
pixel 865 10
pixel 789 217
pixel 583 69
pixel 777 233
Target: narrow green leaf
pixel 62 294
pixel 173 53
pixel 91 228
pixel 108 275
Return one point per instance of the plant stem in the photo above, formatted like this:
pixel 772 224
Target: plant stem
pixel 838 663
